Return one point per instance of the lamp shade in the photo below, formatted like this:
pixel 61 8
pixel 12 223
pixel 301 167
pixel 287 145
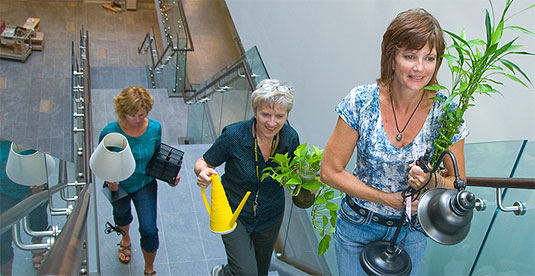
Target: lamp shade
pixel 112 160
pixel 445 214
pixel 28 167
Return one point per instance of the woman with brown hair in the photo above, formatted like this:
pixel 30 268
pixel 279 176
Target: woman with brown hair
pixel 132 106
pixel 390 123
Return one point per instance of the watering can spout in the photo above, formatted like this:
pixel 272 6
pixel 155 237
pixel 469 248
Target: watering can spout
pixel 222 220
pixel 238 210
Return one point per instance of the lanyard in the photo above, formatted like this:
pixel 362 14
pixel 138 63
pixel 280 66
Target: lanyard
pixel 257 163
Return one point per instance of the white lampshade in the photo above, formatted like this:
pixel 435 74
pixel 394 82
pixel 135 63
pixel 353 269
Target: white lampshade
pixel 28 167
pixel 112 160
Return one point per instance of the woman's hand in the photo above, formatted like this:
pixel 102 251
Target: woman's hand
pixel 113 186
pixel 37 188
pixel 203 179
pixel 417 177
pixel 177 179
pixel 396 201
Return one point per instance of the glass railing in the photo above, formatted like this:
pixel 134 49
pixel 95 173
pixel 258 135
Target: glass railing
pixel 499 243
pixel 224 98
pixel 43 203
pixel 166 68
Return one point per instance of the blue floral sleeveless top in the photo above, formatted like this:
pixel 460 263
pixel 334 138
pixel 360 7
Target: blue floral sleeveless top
pixel 380 164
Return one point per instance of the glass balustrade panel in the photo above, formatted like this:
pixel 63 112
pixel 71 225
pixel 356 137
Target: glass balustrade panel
pixel 235 102
pixel 256 65
pixel 510 246
pixel 212 114
pixel 491 159
pixel 195 122
pixel 24 172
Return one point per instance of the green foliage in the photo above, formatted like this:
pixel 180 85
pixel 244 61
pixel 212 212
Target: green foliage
pixel 474 64
pixel 292 172
pixel 323 214
pixel 300 172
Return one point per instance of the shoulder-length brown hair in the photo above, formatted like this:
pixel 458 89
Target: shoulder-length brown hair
pixel 411 29
pixel 131 100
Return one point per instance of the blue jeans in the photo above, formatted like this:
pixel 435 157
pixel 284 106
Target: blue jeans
pixel 354 231
pixel 145 202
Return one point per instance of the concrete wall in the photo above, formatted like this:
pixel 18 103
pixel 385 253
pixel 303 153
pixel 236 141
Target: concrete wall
pixel 326 47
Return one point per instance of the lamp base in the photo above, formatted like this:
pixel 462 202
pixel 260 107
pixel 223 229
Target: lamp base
pixel 376 258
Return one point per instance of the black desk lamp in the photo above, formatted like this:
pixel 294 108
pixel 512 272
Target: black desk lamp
pixel 444 215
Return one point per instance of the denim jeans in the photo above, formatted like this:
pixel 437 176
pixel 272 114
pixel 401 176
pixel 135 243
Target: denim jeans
pixel 354 231
pixel 145 203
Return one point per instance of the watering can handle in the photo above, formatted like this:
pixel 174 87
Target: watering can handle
pixel 205 200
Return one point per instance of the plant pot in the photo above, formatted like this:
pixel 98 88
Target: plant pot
pixel 304 199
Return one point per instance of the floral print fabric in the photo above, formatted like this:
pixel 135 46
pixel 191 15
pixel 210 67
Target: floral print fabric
pixel 380 164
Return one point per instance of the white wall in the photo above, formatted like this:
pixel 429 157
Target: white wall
pixel 326 47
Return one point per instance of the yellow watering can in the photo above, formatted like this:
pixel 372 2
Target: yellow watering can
pixel 222 221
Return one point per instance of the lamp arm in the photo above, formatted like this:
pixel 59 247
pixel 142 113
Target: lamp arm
pixel 459 184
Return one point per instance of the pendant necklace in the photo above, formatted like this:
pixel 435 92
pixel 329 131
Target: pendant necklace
pixel 399 136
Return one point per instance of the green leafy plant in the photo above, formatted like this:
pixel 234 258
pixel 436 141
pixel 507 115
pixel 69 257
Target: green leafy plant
pixel 474 66
pixel 324 213
pixel 300 172
pixel 297 172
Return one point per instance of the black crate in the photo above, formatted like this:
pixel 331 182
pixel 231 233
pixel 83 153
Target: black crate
pixel 165 163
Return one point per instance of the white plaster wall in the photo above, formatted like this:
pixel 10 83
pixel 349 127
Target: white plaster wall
pixel 326 47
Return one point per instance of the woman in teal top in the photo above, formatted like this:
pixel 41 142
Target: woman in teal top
pixel 132 106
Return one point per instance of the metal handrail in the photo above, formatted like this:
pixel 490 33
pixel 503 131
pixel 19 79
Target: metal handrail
pixel 236 65
pixel 494 182
pixel 147 36
pixel 186 27
pixel 26 206
pixel 66 254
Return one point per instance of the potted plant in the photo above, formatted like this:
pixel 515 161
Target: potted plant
pixel 474 64
pixel 299 175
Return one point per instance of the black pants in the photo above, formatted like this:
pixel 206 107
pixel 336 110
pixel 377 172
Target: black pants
pixel 250 253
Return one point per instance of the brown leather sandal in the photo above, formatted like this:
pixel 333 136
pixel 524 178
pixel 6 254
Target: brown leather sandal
pixel 149 273
pixel 38 256
pixel 126 252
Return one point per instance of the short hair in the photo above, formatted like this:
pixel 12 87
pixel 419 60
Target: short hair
pixel 272 92
pixel 132 99
pixel 411 29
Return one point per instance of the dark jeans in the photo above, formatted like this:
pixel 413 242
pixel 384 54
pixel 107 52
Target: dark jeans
pixel 145 203
pixel 250 253
pixel 38 222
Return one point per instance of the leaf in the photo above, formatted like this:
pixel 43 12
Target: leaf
pixel 476 42
pixel 497 34
pixel 294 180
pixel 331 206
pixel 458 38
pixel 436 87
pixel 520 29
pixel 488 26
pixel 510 65
pixel 312 185
pixel 320 200
pixel 324 244
pixel 329 195
pixel 514 78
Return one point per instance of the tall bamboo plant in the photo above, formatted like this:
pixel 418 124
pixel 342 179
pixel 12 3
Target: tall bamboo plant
pixel 474 64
